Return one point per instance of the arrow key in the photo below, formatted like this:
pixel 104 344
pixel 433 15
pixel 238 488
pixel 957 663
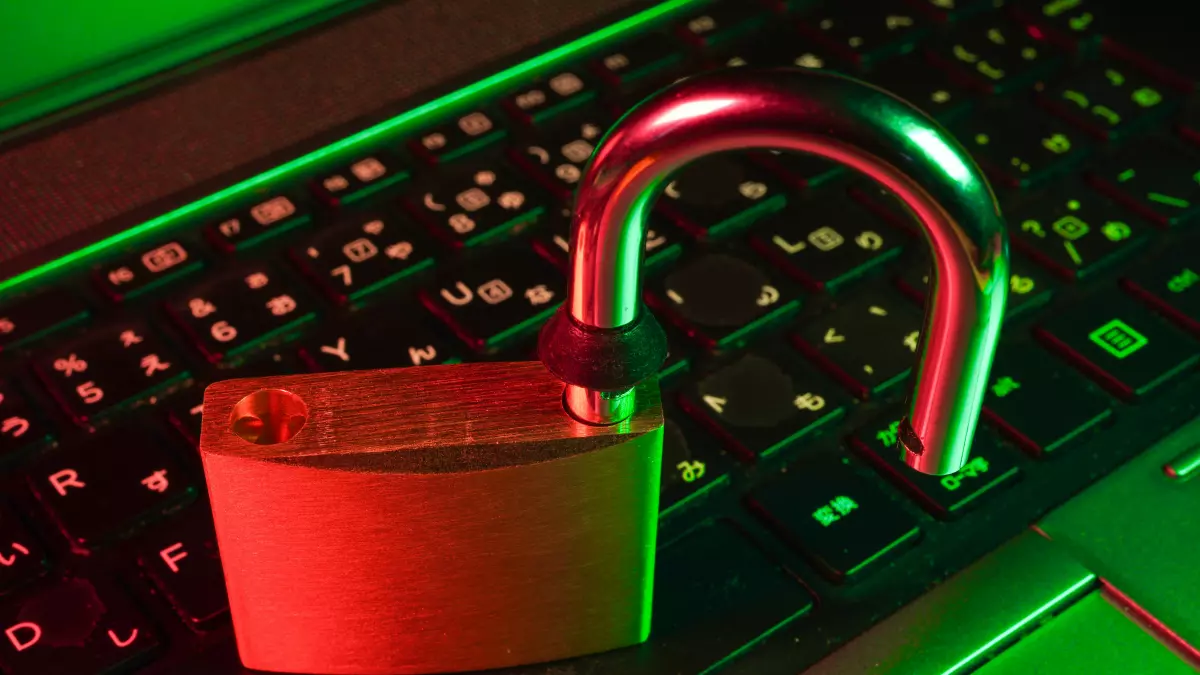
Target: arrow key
pixel 761 401
pixel 869 342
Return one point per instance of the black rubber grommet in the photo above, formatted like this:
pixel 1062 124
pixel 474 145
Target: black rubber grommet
pixel 603 359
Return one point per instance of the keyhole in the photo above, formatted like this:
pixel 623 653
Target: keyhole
pixel 268 416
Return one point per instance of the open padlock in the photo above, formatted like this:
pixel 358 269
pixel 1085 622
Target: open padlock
pixel 456 518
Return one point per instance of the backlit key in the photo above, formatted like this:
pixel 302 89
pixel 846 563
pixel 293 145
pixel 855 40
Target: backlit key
pixel 268 218
pixel 842 524
pixel 146 269
pixel 1171 284
pixel 1122 345
pixel 466 134
pixel 1157 177
pixel 990 466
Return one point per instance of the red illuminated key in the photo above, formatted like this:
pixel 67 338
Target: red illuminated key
pixel 181 558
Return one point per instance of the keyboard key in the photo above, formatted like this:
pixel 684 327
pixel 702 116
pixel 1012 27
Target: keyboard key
pixel 692 463
pixel 720 22
pixel 474 203
pixel 718 195
pixel 799 170
pixel 1039 402
pixel 266 219
pixel 1109 99
pixel 185 410
pixel 990 467
pixel 236 312
pixel 1124 347
pixel 868 342
pixel 945 10
pixel 392 335
pixel 112 366
pixel 827 243
pixel 911 78
pixel 77 626
pixel 363 253
pixel 558 155
pixel 866 33
pixel 106 485
pixel 663 240
pixel 1075 23
pixel 38 315
pixel 720 299
pixel 653 56
pixel 22 558
pixel 1171 285
pixel 21 423
pixel 842 524
pixel 1020 146
pixel 994 54
pixel 715 592
pixel 360 178
pixel 776 47
pixel 468 133
pixel 181 558
pixel 761 401
pixel 142 271
pixel 1155 177
pixel 1073 230
pixel 552 96
pixel 493 301
pixel 1029 285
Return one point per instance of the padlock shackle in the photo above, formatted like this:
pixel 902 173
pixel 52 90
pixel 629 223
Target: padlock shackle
pixel 849 122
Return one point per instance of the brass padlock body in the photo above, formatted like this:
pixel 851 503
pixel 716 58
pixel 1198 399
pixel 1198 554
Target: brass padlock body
pixel 433 519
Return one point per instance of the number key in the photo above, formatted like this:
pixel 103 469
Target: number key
pixel 143 271
pixel 466 134
pixel 827 243
pixel 990 466
pixel 868 342
pixel 544 99
pixel 359 179
pixel 761 401
pixel 266 219
pixel 1074 230
pixel 112 365
pixel 238 311
pixel 364 253
pixel 37 315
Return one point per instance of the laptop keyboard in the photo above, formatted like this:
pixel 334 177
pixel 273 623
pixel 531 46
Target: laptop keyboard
pixel 792 293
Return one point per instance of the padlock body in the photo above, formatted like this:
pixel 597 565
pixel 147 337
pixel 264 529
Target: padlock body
pixel 428 520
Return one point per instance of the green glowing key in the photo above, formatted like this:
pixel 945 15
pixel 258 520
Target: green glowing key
pixel 1155 177
pixel 1118 338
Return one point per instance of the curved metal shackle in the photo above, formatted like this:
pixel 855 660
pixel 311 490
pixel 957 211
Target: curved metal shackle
pixel 840 119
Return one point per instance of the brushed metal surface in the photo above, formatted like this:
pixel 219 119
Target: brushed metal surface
pixel 433 519
pixel 961 623
pixel 1139 530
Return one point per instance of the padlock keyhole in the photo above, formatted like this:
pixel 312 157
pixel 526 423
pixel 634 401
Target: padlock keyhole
pixel 268 416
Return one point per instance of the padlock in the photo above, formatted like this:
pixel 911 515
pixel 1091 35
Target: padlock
pixel 467 517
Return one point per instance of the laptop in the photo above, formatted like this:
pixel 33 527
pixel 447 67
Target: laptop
pixel 191 192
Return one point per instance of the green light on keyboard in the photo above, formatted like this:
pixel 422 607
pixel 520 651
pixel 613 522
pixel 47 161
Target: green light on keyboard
pixel 1183 281
pixel 1005 386
pixel 1126 175
pixel 1146 97
pixel 1160 198
pixel 415 117
pixel 1119 339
